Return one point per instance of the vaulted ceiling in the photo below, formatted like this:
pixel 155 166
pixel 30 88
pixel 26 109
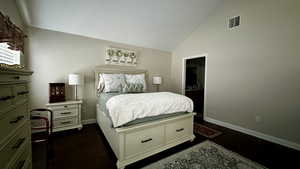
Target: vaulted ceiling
pixel 158 24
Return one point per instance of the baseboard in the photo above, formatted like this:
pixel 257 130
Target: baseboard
pixel 266 137
pixel 88 121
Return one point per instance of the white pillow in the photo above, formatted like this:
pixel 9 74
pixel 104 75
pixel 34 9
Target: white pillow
pixel 112 82
pixel 136 78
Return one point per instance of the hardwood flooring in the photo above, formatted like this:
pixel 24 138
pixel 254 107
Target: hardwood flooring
pixel 88 149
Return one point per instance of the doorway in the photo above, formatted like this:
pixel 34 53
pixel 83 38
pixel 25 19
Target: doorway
pixel 194 83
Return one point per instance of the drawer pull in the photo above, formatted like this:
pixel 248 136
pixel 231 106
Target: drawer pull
pixel 19 143
pixel 17 119
pixel 6 98
pixel 66 122
pixel 20 164
pixel 22 93
pixel 65 112
pixel 66 106
pixel 145 141
pixel 179 130
pixel 17 77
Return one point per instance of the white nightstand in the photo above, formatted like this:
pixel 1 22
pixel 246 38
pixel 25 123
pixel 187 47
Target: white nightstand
pixel 66 115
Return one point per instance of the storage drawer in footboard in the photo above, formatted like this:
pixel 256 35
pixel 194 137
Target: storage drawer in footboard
pixel 143 140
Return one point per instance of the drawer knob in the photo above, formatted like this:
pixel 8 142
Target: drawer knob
pixel 147 140
pixel 19 143
pixel 66 106
pixel 179 130
pixel 17 77
pixel 17 119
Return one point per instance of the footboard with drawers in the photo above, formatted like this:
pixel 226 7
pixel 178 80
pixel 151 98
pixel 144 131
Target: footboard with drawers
pixel 15 137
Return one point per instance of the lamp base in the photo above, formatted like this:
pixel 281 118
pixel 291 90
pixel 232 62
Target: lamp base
pixel 157 88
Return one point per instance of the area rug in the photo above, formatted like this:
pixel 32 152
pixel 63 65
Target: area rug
pixel 206 155
pixel 206 131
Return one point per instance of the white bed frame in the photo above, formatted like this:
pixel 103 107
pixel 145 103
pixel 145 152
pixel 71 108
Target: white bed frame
pixel 139 141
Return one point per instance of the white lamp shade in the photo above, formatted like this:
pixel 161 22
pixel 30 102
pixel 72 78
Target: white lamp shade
pixel 157 80
pixel 74 79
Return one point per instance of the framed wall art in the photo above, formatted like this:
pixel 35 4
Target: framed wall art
pixel 118 56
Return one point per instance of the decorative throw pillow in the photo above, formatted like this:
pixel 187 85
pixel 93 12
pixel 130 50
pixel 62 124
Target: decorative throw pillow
pixel 112 82
pixel 132 88
pixel 136 79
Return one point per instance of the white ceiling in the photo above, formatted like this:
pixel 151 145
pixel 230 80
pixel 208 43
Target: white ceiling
pixel 158 24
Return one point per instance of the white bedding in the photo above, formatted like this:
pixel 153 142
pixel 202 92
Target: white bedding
pixel 128 107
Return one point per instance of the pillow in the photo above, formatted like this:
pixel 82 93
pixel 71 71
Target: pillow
pixel 111 82
pixel 132 88
pixel 136 79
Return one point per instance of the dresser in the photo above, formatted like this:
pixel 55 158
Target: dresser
pixel 15 137
pixel 66 115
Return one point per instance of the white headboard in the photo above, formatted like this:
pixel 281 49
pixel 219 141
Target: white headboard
pixel 117 69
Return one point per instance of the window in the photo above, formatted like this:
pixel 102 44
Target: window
pixel 9 56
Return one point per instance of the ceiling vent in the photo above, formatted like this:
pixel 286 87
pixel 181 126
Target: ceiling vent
pixel 234 22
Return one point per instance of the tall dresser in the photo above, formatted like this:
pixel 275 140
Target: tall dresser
pixel 15 133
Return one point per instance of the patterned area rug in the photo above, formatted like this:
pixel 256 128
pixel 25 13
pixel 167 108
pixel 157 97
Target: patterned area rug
pixel 206 131
pixel 206 155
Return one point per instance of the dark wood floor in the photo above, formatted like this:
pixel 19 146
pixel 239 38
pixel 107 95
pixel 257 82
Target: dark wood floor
pixel 88 149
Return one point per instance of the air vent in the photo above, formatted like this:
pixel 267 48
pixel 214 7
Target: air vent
pixel 234 22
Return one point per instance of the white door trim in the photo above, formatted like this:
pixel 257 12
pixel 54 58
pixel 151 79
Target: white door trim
pixel 183 78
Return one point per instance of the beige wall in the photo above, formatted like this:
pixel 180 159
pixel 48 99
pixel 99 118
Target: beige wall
pixel 54 55
pixel 252 70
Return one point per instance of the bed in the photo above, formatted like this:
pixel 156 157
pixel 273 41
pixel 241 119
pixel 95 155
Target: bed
pixel 140 138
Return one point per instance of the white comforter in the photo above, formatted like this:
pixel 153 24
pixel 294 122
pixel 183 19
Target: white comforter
pixel 128 107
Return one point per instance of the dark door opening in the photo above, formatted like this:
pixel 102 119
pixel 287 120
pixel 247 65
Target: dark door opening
pixel 195 84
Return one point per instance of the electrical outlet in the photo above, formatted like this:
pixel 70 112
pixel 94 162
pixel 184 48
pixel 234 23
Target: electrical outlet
pixel 257 119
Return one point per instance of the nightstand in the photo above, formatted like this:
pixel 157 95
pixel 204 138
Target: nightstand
pixel 66 115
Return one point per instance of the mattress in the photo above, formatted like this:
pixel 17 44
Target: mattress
pixel 104 97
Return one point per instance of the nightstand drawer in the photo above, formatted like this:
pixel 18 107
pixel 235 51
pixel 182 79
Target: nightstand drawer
pixel 65 113
pixel 63 107
pixel 63 122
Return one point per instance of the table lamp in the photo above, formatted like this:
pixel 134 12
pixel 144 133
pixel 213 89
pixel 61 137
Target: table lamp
pixel 157 80
pixel 74 79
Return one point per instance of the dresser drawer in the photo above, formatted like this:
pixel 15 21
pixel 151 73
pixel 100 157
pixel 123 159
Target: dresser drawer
pixel 141 141
pixel 29 165
pixel 14 145
pixel 64 122
pixel 178 129
pixel 12 120
pixel 6 98
pixel 23 158
pixel 13 78
pixel 21 93
pixel 65 113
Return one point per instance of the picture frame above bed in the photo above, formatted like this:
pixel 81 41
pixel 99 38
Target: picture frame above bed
pixel 119 56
